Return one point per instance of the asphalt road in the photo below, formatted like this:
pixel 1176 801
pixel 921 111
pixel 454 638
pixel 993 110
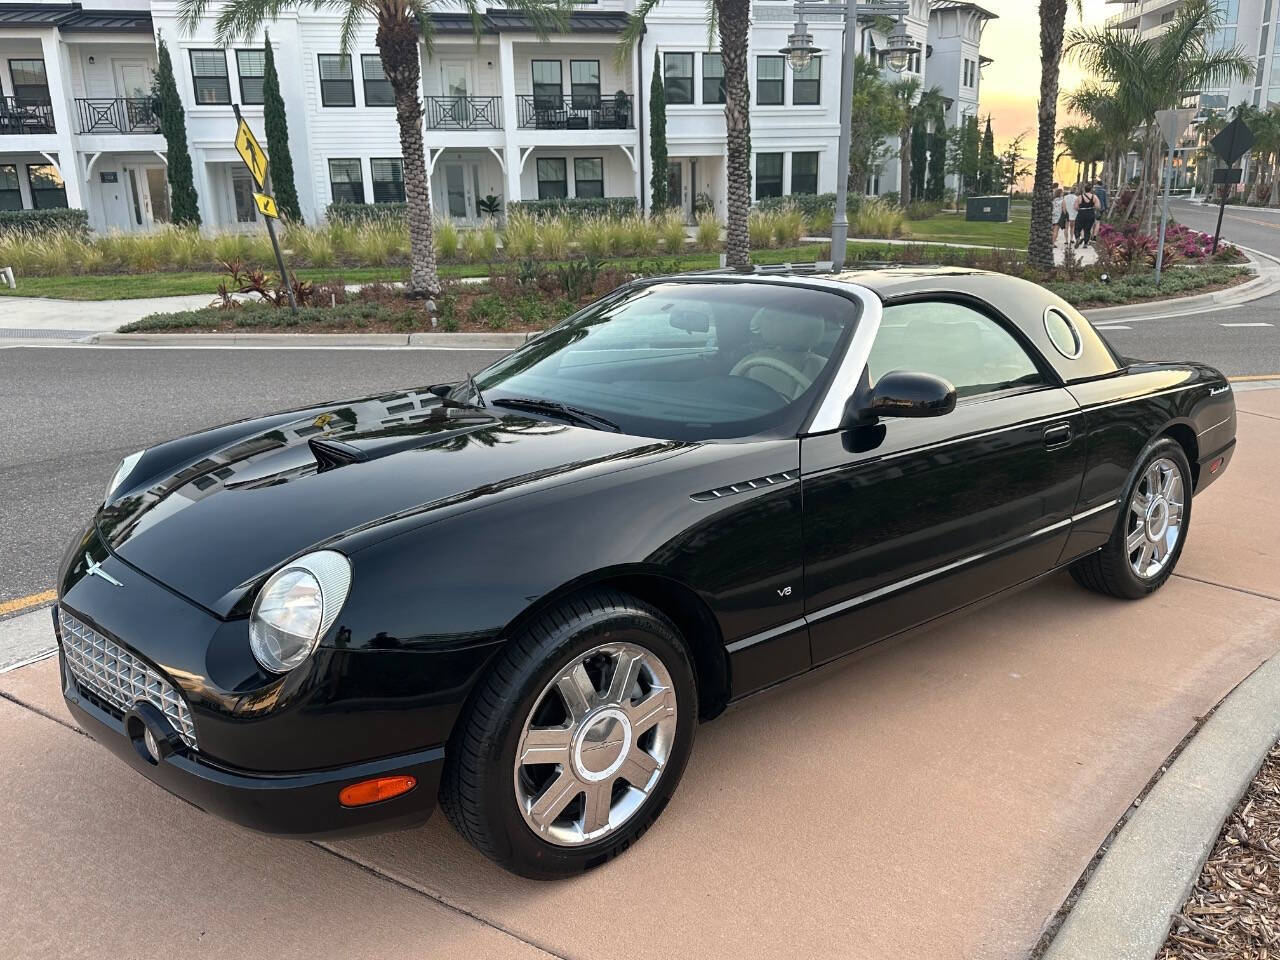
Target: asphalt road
pixel 72 414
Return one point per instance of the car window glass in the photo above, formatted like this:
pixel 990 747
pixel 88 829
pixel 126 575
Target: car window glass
pixel 687 361
pixel 950 340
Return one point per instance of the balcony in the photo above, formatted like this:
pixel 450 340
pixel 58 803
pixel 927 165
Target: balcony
pixel 117 115
pixel 580 112
pixel 19 117
pixel 463 113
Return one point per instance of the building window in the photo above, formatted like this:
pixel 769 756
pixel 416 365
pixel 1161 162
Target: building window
pixel 552 178
pixel 337 84
pixel 388 180
pixel 209 76
pixel 677 77
pixel 377 88
pixel 804 173
pixel 346 181
pixel 806 85
pixel 47 189
pixel 584 84
pixel 30 83
pixel 712 78
pixel 588 177
pixel 769 80
pixel 768 175
pixel 251 65
pixel 548 88
pixel 10 193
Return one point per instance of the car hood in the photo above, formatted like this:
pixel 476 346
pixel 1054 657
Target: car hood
pixel 212 526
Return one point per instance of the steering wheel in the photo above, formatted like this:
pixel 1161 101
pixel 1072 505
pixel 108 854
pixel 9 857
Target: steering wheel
pixel 773 363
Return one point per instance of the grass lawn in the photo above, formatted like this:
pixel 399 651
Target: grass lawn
pixel 949 227
pixel 125 286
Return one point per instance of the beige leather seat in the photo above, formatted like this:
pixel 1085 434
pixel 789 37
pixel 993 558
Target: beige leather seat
pixel 786 362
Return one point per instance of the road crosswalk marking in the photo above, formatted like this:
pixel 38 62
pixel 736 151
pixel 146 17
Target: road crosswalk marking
pixel 1246 324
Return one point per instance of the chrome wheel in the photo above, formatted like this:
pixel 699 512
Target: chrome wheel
pixel 595 744
pixel 1154 520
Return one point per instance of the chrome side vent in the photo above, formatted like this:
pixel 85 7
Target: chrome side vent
pixel 744 486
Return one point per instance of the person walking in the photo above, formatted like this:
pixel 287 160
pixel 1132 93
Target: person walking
pixel 1086 214
pixel 1100 191
pixel 1070 205
pixel 1059 215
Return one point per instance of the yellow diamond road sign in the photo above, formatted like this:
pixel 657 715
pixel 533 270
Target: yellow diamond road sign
pixel 251 154
pixel 266 205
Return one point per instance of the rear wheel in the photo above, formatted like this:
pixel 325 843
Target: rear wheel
pixel 576 739
pixel 1150 532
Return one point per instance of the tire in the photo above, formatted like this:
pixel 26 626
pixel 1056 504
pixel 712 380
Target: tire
pixel 1111 570
pixel 508 811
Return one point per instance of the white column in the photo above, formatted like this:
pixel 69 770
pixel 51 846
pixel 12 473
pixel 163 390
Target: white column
pixel 636 119
pixel 510 117
pixel 57 68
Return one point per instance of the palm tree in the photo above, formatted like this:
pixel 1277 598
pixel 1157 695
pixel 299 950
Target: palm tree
pixel 911 108
pixel 1053 25
pixel 1265 126
pixel 1155 74
pixel 731 20
pixel 402 25
pixel 1106 112
pixel 1086 146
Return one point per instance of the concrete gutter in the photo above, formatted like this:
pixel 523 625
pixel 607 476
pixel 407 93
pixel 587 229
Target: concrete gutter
pixel 1145 876
pixel 436 341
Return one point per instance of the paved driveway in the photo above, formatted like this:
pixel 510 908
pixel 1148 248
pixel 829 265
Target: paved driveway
pixel 936 798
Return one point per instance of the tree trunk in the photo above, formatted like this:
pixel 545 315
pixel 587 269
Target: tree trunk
pixel 904 160
pixel 734 23
pixel 1053 17
pixel 398 43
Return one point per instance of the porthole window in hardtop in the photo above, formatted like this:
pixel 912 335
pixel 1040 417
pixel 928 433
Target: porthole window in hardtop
pixel 1062 333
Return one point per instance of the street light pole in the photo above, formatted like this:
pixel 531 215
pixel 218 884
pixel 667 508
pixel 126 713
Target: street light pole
pixel 799 51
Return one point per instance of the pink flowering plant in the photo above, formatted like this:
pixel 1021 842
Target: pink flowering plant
pixel 1128 246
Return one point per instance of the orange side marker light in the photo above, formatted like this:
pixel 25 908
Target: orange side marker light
pixel 372 791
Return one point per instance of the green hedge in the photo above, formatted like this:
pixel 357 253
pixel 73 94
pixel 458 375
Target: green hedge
pixel 44 221
pixel 808 203
pixel 365 212
pixel 579 206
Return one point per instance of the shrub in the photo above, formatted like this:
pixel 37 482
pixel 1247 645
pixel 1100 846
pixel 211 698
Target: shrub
pixel 491 310
pixel 671 230
pixel 553 237
pixel 364 212
pixel 807 203
pixel 520 238
pixel 595 237
pixel 708 237
pixel 923 209
pixel 760 225
pixel 788 226
pixel 480 243
pixel 40 222
pixel 446 235
pixel 820 220
pixel 639 236
pixel 876 217
pixel 577 207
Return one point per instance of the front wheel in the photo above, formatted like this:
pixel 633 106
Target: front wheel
pixel 576 738
pixel 1150 532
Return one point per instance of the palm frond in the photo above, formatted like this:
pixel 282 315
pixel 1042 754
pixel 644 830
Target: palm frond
pixel 633 31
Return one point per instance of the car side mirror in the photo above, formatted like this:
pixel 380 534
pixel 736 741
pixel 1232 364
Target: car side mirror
pixel 904 394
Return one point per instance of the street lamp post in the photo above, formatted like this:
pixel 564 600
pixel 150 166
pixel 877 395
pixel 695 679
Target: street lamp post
pixel 800 50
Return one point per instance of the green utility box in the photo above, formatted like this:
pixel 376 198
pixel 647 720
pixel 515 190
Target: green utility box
pixel 987 208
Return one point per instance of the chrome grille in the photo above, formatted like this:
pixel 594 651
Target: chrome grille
pixel 110 672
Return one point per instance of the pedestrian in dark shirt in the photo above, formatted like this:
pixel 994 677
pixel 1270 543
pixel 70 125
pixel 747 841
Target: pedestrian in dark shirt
pixel 1085 215
pixel 1100 190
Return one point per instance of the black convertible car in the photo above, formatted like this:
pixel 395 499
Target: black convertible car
pixel 519 594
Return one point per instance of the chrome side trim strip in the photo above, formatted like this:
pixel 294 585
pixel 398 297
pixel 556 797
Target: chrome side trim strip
pixel 1214 427
pixel 842 385
pixel 826 612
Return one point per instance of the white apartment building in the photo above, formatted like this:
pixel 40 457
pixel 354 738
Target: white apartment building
pixel 507 116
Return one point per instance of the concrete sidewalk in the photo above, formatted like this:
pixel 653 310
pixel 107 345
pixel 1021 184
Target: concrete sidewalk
pixel 937 798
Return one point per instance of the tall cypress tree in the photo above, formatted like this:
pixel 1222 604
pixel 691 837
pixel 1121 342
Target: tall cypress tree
pixel 658 136
pixel 937 185
pixel 919 159
pixel 277 125
pixel 987 162
pixel 185 207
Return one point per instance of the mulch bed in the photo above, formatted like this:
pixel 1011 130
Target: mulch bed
pixel 1234 910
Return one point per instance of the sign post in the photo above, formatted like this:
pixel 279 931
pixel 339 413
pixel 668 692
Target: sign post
pixel 1172 123
pixel 256 160
pixel 1232 143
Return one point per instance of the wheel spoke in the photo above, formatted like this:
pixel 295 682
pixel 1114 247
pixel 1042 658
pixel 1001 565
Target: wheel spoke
pixel 1153 479
pixel 1136 539
pixel 659 704
pixel 626 672
pixel 554 799
pixel 578 691
pixel 546 745
pixel 596 804
pixel 1139 504
pixel 1144 558
pixel 1167 483
pixel 638 768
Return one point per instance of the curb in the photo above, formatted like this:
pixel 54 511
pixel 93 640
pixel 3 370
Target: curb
pixel 1146 874
pixel 1264 284
pixel 437 341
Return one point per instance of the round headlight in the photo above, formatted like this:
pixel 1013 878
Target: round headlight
pixel 295 607
pixel 122 473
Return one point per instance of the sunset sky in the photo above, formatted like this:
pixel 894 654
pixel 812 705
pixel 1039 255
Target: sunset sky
pixel 1010 85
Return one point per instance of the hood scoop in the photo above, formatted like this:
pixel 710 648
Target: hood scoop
pixel 331 452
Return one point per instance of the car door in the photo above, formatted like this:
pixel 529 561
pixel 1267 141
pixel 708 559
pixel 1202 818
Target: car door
pixel 908 519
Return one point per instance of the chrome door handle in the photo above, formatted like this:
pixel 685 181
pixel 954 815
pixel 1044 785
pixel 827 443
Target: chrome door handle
pixel 1056 436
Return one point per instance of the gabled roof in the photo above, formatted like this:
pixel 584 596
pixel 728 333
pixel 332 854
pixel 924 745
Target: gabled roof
pixel 963 5
pixel 71 16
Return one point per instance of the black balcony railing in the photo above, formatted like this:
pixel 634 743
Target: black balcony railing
pixel 19 116
pixel 117 115
pixel 463 113
pixel 576 112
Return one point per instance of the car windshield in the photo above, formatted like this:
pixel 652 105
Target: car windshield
pixel 682 361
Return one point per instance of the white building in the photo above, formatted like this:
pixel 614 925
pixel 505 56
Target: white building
pixel 507 116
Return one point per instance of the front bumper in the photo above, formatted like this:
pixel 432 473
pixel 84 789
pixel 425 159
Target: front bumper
pixel 300 805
